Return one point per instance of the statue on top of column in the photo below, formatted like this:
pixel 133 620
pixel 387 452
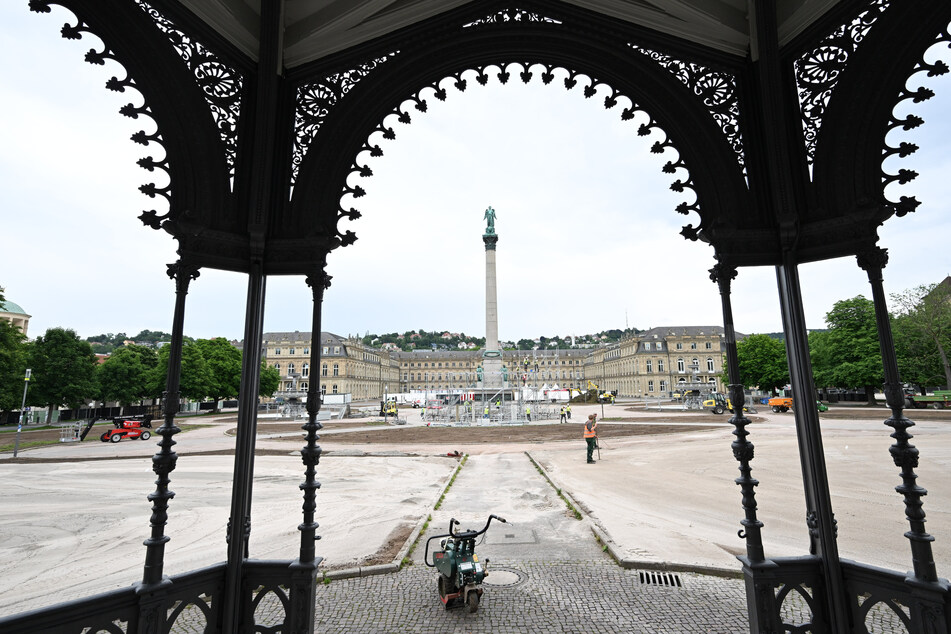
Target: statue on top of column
pixel 490 217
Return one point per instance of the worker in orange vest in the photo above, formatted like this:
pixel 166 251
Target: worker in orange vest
pixel 591 435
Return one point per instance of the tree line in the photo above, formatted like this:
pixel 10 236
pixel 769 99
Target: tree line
pixel 66 371
pixel 422 339
pixel 847 355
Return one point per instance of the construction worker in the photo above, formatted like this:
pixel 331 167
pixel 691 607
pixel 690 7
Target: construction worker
pixel 564 418
pixel 528 412
pixel 591 435
pixel 485 413
pixel 568 411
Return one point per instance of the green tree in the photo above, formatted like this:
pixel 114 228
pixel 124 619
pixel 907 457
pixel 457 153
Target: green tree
pixel 525 344
pixel 848 355
pixel 64 370
pixel 224 367
pixel 822 358
pixel 762 363
pixel 922 329
pixel 13 359
pixel 269 381
pixel 195 379
pixel 125 375
pixel 150 336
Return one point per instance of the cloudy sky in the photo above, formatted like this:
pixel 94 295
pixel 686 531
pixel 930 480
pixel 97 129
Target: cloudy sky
pixel 588 234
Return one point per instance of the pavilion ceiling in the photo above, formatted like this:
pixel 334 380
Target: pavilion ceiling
pixel 317 28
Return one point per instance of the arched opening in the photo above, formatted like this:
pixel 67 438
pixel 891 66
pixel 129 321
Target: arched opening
pixel 563 375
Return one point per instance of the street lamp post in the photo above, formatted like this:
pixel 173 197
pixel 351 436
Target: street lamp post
pixel 604 383
pixel 26 386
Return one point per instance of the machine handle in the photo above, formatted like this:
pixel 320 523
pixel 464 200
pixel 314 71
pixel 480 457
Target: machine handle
pixel 471 534
pixel 426 552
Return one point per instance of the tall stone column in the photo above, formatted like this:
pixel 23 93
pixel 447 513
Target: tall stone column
pixel 492 354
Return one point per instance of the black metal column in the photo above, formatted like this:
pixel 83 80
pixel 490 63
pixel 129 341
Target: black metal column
pixel 760 599
pixel 304 570
pixel 163 462
pixel 819 517
pixel 239 523
pixel 905 455
pixel 930 609
pixel 742 448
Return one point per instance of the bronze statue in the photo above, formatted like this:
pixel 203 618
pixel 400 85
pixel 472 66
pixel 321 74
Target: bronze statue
pixel 490 216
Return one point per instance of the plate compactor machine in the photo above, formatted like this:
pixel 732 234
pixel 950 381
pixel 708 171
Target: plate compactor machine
pixel 460 571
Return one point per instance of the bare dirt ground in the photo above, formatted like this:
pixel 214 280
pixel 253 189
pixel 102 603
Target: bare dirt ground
pixel 487 435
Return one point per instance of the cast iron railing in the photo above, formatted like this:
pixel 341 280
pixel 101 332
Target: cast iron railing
pixel 192 602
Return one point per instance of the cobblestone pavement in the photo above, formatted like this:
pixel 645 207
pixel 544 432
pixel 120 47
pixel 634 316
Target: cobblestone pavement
pixel 562 596
pixel 550 573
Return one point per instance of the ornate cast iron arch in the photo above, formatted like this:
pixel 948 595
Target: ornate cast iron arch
pixel 849 165
pixel 197 156
pixel 336 158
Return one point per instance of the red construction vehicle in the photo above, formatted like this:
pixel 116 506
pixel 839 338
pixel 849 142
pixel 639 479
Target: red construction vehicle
pixel 128 428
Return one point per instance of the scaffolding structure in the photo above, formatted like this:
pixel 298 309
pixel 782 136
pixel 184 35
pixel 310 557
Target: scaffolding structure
pixel 480 406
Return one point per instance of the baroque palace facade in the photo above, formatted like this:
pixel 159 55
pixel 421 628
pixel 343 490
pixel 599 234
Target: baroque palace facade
pixel 657 362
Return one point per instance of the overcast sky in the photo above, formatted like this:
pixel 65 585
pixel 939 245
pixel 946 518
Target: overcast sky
pixel 588 236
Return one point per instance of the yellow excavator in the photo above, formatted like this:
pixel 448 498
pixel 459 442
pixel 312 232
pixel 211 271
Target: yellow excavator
pixel 718 403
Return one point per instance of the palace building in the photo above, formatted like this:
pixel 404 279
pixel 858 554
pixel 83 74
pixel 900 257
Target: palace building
pixel 657 362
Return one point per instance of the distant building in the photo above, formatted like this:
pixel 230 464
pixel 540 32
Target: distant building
pixel 656 362
pixel 347 366
pixel 660 361
pixel 13 313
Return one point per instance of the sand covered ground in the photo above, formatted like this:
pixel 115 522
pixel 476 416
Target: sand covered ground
pixel 75 515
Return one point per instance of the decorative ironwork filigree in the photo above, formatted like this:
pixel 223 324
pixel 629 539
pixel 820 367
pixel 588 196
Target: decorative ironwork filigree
pixel 150 218
pixel 315 101
pixel 503 72
pixel 907 204
pixel 818 71
pixel 220 84
pixel 511 15
pixel 716 89
pixel 796 604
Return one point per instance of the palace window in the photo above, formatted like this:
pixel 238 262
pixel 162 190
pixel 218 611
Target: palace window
pixel 323 370
pixel 277 366
pixel 336 371
pixel 323 389
pixel 650 366
pixel 326 349
pixel 306 350
pixel 660 366
pixel 305 370
pixel 336 351
pixel 335 388
pixel 303 386
pixel 647 345
pixel 277 351
pixel 693 345
pixel 650 386
pixel 680 346
pixel 663 386
pixel 709 364
pixel 709 345
pixel 293 351
pixel 680 366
